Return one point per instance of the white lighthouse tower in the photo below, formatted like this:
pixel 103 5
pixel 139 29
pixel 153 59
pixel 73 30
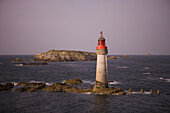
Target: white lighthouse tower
pixel 101 67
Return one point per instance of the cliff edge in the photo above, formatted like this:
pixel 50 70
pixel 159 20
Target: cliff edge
pixel 65 55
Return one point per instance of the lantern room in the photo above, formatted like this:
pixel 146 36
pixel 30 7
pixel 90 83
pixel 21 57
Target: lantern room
pixel 101 42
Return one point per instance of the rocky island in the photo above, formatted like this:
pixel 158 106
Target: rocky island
pixel 64 56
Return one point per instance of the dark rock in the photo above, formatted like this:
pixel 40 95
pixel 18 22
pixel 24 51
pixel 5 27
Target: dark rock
pixel 31 87
pixel 23 89
pixel 6 86
pixel 62 87
pixel 37 63
pixel 73 81
pixel 16 60
pixel 24 59
pixel 33 84
pixel 57 87
pixel 112 58
pixel 124 55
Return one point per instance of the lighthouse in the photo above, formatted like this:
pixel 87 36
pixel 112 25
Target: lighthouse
pixel 101 66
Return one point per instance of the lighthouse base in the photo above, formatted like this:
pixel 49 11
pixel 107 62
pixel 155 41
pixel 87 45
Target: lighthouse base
pixel 100 85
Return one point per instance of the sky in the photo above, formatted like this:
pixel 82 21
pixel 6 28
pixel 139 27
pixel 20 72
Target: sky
pixel 132 27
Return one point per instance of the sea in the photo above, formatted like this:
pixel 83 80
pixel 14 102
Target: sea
pixel 136 72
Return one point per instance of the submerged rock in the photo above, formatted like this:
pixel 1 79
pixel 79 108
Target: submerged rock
pixel 37 63
pixel 6 86
pixel 73 81
pixel 65 55
pixel 109 91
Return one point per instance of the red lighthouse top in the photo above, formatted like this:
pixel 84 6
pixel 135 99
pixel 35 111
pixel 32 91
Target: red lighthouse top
pixel 101 42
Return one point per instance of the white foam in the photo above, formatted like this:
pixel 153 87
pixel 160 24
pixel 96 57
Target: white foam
pixel 147 93
pixel 63 81
pixel 48 84
pixel 146 68
pixel 88 82
pixel 35 81
pixel 15 83
pixel 147 73
pixel 122 67
pixel 114 82
pixel 161 78
pixel 134 93
pixel 167 80
pixel 87 93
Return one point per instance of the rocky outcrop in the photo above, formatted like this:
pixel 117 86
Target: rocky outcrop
pixel 65 55
pixel 16 60
pixel 30 87
pixel 112 58
pixel 73 81
pixel 62 87
pixel 6 86
pixel 69 86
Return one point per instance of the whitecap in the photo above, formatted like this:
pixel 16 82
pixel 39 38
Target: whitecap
pixel 147 93
pixel 147 73
pixel 63 81
pixel 167 80
pixel 19 65
pixel 48 84
pixel 161 78
pixel 15 83
pixel 88 82
pixel 35 81
pixel 134 93
pixel 114 82
pixel 146 68
pixel 87 93
pixel 122 67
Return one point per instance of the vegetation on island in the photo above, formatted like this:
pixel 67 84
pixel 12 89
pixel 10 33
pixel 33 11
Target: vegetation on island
pixel 64 56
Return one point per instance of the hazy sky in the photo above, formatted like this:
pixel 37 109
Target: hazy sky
pixel 129 26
